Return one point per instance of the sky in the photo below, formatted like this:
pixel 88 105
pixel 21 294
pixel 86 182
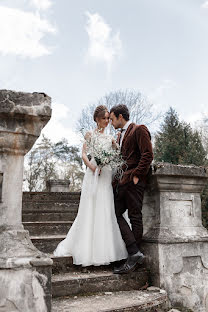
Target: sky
pixel 77 51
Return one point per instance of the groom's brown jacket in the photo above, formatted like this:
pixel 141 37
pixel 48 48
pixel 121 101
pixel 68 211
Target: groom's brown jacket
pixel 137 153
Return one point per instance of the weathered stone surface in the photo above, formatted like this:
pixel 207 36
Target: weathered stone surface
pixel 49 216
pixel 34 104
pixel 124 301
pixel 48 228
pixel 175 242
pixel 23 290
pixel 47 243
pixel 25 272
pixel 62 264
pixel 172 202
pixel 75 283
pixel 55 197
pixel 23 115
pixel 153 289
pixel 50 206
pixel 58 185
pixel 1 182
pixel 65 264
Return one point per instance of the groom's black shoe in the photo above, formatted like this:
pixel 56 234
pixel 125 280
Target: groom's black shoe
pixel 130 264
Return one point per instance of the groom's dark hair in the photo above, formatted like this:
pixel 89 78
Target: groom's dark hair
pixel 120 109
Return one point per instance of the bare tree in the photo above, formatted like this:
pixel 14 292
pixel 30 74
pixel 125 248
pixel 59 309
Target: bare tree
pixel 141 111
pixel 50 160
pixel 74 173
pixel 39 166
pixel 202 127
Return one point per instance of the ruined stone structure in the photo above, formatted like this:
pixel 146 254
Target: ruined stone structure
pixel 175 242
pixel 25 272
pixel 58 185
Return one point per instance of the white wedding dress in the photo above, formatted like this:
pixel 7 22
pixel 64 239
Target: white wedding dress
pixel 95 238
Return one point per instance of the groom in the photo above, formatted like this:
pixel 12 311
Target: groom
pixel 136 149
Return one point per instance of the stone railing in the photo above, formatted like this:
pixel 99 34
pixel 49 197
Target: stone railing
pixel 175 241
pixel 25 272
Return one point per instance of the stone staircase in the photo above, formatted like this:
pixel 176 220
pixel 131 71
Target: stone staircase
pixel 48 217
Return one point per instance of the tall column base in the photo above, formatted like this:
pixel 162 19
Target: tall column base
pixel 25 274
pixel 26 287
pixel 181 268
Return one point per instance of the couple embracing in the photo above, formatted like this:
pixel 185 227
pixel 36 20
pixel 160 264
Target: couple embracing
pixel 101 233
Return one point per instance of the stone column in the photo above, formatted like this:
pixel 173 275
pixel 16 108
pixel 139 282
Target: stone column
pixel 58 185
pixel 25 272
pixel 175 242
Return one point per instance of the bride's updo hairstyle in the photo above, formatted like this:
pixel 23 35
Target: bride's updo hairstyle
pixel 99 112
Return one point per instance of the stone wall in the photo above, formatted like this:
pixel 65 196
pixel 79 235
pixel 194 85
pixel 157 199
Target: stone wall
pixel 175 242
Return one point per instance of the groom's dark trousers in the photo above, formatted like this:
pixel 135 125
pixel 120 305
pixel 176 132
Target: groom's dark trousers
pixel 137 153
pixel 130 197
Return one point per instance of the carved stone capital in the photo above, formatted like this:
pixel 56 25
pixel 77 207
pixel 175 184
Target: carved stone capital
pixel 22 117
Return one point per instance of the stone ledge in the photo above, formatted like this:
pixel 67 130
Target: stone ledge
pixel 168 169
pixel 27 262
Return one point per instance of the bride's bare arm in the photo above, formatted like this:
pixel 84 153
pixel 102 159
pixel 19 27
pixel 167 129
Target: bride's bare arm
pixel 84 154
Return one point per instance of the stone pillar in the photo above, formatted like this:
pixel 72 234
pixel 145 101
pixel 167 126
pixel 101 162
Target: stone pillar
pixel 175 242
pixel 25 272
pixel 58 185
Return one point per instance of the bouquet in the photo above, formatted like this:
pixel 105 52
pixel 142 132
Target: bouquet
pixel 103 155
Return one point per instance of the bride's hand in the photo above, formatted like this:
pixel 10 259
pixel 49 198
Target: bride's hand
pixel 93 168
pixel 115 144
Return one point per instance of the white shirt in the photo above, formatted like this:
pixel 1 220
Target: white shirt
pixel 123 133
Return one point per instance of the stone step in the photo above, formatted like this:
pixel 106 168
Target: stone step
pixel 62 264
pixel 50 206
pixel 50 196
pixel 65 264
pixel 48 216
pixel 76 283
pixel 42 228
pixel 122 301
pixel 47 244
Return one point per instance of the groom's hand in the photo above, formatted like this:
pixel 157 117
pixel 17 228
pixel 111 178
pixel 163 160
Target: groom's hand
pixel 135 179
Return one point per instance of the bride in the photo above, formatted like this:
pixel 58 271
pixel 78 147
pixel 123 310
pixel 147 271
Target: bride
pixel 95 238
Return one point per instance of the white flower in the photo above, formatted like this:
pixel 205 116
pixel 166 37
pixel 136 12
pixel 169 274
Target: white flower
pixel 97 149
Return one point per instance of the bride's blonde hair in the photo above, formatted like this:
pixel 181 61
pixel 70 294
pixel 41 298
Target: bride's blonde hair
pixel 99 112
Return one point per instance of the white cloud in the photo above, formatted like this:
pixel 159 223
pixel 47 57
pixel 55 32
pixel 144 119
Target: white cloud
pixel 55 129
pixel 193 117
pixel 21 33
pixel 158 93
pixel 103 45
pixel 205 5
pixel 41 4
